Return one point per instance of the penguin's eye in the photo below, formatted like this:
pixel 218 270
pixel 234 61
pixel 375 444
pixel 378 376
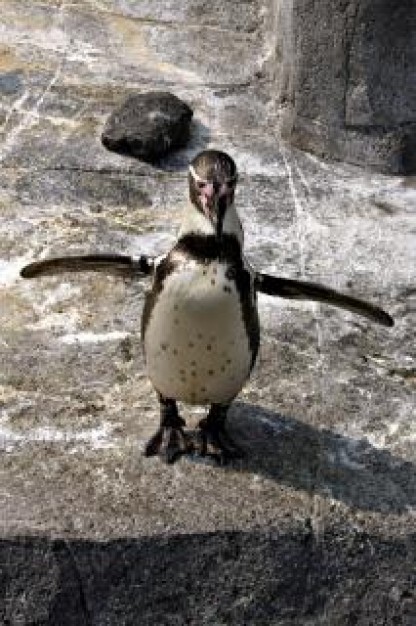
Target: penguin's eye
pixel 201 184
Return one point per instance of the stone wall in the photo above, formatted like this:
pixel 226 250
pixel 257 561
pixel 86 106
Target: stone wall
pixel 346 79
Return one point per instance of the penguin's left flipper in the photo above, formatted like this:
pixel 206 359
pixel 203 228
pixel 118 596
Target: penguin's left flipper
pixel 301 290
pixel 108 263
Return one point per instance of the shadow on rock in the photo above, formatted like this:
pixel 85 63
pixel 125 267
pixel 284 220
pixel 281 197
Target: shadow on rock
pixel 320 461
pixel 179 160
pixel 342 577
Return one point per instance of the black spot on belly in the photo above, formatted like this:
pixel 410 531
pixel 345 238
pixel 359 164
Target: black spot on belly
pixel 209 347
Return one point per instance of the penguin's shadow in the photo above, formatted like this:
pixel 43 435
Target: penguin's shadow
pixel 323 462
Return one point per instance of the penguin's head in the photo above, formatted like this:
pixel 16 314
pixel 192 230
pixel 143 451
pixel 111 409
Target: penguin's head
pixel 212 182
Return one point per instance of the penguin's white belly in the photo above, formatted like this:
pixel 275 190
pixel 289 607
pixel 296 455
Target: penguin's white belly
pixel 196 345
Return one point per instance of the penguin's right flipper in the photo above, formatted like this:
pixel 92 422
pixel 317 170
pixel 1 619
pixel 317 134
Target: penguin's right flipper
pixel 302 290
pixel 109 263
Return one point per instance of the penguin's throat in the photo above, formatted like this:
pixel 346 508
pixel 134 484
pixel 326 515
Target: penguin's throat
pixel 196 221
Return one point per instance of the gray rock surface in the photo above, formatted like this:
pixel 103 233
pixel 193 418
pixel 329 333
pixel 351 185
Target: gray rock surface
pixel 148 126
pixel 347 83
pixel 317 525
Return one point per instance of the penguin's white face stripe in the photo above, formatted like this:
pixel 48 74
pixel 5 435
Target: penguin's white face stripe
pixel 195 176
pixel 229 182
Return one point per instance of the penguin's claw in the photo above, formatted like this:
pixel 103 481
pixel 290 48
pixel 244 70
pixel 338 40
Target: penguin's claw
pixel 215 442
pixel 169 443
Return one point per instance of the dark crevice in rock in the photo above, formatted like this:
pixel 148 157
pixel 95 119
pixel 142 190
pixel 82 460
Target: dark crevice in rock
pixel 64 553
pixel 351 21
pixel 370 129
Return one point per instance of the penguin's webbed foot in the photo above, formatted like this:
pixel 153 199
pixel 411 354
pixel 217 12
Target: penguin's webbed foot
pixel 215 442
pixel 169 442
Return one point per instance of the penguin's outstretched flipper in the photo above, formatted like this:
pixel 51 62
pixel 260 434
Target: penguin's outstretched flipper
pixel 301 290
pixel 108 263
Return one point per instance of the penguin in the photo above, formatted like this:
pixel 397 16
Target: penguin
pixel 200 326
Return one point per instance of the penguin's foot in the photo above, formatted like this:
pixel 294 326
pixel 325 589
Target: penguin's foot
pixel 169 442
pixel 214 441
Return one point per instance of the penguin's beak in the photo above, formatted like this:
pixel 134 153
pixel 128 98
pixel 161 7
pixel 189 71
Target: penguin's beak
pixel 209 199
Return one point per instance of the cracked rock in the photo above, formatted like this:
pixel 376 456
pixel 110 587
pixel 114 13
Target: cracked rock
pixel 148 126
